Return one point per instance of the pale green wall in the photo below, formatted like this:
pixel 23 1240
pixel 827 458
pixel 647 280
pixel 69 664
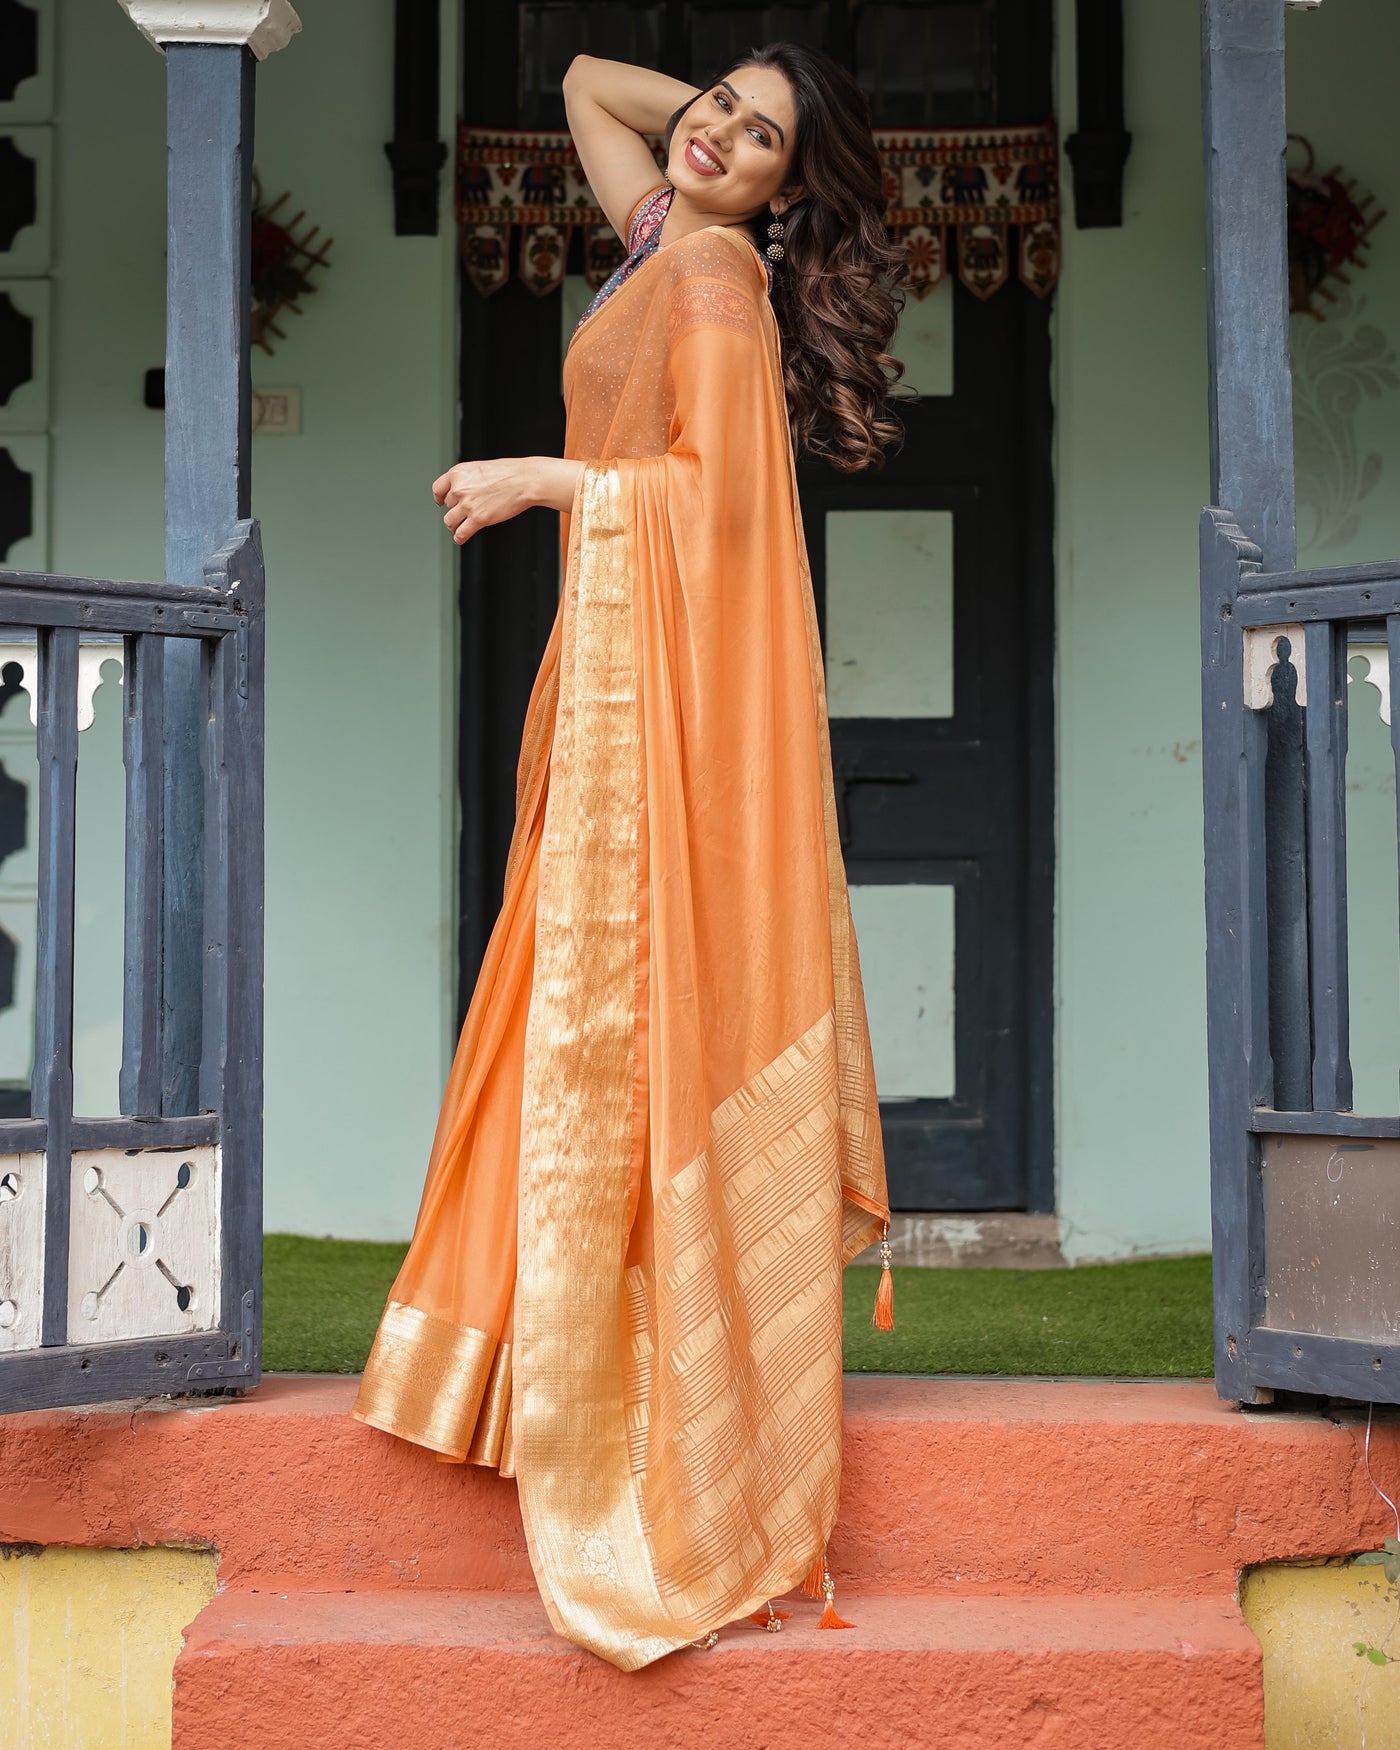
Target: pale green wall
pixel 360 795
pixel 1130 464
pixel 1130 469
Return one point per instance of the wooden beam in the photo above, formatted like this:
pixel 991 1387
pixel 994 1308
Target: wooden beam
pixel 1239 1061
pixel 416 153
pixel 52 1090
pixel 1324 601
pixel 1282 845
pixel 1099 147
pixel 1325 728
pixel 232 1070
pixel 142 742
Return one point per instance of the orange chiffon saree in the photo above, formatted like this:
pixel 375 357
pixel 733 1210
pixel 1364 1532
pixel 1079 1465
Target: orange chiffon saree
pixel 660 1140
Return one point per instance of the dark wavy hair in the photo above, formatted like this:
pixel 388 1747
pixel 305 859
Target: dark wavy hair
pixel 836 291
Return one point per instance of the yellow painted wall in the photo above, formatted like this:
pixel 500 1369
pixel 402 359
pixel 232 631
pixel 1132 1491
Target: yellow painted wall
pixel 1319 1692
pixel 88 1639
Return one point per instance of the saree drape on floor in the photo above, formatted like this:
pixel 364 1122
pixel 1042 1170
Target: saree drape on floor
pixel 660 1140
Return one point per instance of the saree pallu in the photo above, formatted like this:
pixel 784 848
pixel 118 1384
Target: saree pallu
pixel 660 1140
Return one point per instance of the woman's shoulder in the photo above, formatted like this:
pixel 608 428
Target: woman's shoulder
pixel 716 281
pixel 720 253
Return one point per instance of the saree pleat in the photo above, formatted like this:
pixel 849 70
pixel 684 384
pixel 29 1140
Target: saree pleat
pixel 660 1141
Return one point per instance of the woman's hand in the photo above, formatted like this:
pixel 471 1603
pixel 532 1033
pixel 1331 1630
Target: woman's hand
pixel 478 494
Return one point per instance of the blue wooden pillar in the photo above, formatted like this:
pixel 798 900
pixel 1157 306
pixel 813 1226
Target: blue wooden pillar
pixel 1251 445
pixel 211 48
pixel 1251 390
pixel 1257 990
pixel 208 423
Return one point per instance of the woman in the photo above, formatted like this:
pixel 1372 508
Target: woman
pixel 660 1140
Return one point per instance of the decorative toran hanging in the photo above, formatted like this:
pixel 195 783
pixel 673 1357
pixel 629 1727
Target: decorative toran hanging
pixel 973 186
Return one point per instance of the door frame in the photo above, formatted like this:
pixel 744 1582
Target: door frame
pixel 511 405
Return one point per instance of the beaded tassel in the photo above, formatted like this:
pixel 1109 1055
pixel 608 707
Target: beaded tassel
pixel 812 1585
pixel 769 1618
pixel 829 1617
pixel 883 1316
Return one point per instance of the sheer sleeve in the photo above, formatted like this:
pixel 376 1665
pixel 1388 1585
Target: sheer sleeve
pixel 641 216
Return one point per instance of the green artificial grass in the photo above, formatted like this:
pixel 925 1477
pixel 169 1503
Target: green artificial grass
pixel 1148 1317
pixel 323 1301
pixel 324 1298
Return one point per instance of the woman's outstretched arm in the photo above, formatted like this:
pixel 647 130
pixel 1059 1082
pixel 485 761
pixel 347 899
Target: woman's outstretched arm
pixel 610 106
pixel 478 494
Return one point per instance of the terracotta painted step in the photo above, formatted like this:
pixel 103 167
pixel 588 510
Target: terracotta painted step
pixel 971 1486
pixel 451 1671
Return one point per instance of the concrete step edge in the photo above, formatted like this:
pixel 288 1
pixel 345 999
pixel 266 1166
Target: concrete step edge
pixel 1189 1626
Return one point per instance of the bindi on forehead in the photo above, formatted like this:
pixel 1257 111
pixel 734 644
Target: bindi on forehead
pixel 751 98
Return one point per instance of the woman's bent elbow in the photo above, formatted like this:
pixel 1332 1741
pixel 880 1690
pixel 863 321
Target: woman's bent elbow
pixel 576 72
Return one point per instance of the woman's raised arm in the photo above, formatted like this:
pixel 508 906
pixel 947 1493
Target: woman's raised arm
pixel 610 105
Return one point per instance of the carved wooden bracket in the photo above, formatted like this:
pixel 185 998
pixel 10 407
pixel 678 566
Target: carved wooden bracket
pixel 263 25
pixel 1099 149
pixel 415 153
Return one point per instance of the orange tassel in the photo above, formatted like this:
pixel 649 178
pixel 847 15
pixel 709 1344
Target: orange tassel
pixel 883 1319
pixel 771 1618
pixel 829 1617
pixel 812 1585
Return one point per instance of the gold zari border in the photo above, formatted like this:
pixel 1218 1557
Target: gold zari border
pixel 742 1487
pixel 426 1378
pixel 587 1542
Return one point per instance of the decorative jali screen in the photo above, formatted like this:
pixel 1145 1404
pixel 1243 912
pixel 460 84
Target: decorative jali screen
pixel 130 1242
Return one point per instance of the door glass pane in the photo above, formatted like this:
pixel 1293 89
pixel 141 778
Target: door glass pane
pixel 925 64
pixel 721 35
pixel 923 342
pixel 889 613
pixel 554 31
pixel 905 937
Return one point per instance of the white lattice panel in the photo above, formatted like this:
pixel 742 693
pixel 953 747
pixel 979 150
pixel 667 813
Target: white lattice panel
pixel 21 1250
pixel 93 660
pixel 143 1257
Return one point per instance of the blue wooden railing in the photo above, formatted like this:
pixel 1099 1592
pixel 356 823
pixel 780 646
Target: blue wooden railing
pixel 1305 1193
pixel 220 618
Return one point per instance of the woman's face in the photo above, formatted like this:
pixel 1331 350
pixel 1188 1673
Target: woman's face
pixel 732 147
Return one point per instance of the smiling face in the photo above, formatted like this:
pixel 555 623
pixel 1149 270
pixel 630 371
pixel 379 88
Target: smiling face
pixel 732 148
